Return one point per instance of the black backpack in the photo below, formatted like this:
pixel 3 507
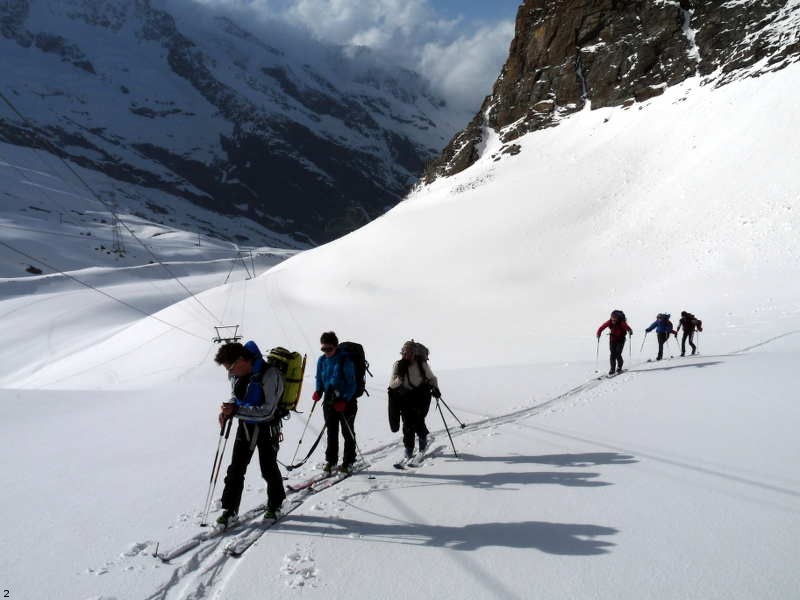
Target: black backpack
pixel 355 352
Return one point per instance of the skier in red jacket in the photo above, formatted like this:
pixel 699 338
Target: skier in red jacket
pixel 618 328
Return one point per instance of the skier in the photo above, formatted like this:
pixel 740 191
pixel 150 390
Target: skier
pixel 410 388
pixel 690 324
pixel 617 330
pixel 663 327
pixel 256 391
pixel 336 387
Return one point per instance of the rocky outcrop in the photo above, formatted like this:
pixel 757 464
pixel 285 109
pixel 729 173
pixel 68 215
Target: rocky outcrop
pixel 567 54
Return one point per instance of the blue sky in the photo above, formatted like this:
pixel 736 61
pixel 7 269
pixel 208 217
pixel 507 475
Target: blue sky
pixel 491 10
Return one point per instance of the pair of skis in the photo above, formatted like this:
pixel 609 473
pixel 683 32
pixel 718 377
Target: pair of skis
pixel 416 459
pixel 248 529
pixel 611 375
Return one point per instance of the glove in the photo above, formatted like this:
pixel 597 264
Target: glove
pixel 598 336
pixel 339 405
pixel 316 396
pixel 226 411
pixel 436 393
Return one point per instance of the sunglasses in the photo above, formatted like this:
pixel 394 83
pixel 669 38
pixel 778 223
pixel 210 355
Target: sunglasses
pixel 327 349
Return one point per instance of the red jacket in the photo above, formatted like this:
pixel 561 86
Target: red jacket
pixel 617 331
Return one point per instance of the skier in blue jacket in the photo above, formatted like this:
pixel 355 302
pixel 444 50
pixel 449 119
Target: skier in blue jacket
pixel 663 327
pixel 336 387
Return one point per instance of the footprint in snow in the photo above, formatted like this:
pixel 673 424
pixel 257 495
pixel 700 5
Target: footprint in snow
pixel 299 568
pixel 136 549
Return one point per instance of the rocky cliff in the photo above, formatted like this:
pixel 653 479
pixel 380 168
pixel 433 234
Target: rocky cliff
pixel 570 54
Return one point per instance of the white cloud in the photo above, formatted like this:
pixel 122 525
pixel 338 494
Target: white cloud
pixel 465 69
pixel 461 60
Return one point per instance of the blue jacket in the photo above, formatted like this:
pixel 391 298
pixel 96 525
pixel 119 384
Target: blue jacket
pixel 257 395
pixel 661 326
pixel 336 374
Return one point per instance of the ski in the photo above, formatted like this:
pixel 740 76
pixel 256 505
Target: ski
pixel 196 540
pixel 309 483
pixel 401 464
pixel 611 375
pixel 236 547
pixel 245 518
pixel 416 459
pixel 241 543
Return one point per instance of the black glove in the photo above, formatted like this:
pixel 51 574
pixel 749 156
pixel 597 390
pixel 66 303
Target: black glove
pixel 436 393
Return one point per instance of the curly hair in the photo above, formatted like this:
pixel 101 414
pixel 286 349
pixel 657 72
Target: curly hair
pixel 231 352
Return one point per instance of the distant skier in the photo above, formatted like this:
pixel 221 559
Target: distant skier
pixel 617 330
pixel 410 390
pixel 337 388
pixel 256 391
pixel 690 324
pixel 664 328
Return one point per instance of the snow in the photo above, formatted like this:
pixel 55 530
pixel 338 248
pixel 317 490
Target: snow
pixel 676 479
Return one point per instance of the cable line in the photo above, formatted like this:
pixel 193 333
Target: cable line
pixel 106 204
pixel 98 290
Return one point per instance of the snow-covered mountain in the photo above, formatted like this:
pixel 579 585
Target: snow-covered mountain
pixel 237 116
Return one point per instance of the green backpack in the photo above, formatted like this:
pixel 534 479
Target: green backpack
pixel 293 366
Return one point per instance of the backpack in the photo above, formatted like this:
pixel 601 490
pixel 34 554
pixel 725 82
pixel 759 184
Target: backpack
pixel 355 352
pixel 421 351
pixel 619 315
pixel 292 366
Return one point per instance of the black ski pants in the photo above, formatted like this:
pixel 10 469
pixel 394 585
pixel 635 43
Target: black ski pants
pixel 249 436
pixel 616 346
pixel 662 339
pixel 333 420
pixel 687 335
pixel 414 408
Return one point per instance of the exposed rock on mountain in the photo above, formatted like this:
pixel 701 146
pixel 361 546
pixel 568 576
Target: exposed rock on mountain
pixel 567 54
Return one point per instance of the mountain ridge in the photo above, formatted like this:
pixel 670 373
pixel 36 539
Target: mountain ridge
pixel 186 100
pixel 570 54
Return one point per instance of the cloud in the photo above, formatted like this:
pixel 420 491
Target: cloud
pixel 460 59
pixel 465 69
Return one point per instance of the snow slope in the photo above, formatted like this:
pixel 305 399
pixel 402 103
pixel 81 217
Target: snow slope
pixel 674 480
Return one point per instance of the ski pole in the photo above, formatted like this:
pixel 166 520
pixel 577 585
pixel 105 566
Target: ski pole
pixel 446 428
pixel 353 435
pixel 597 357
pixel 212 482
pixel 643 339
pixel 296 450
pixel 450 411
pixel 630 348
pixel 310 452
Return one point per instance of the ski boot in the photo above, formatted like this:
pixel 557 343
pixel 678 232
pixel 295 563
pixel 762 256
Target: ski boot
pixel 227 518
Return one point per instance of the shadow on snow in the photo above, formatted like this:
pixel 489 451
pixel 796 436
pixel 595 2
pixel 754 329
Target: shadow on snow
pixel 554 538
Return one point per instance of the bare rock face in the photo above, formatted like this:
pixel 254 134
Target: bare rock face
pixel 570 53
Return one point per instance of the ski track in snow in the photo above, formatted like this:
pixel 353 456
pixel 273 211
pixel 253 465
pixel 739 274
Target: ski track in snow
pixel 204 572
